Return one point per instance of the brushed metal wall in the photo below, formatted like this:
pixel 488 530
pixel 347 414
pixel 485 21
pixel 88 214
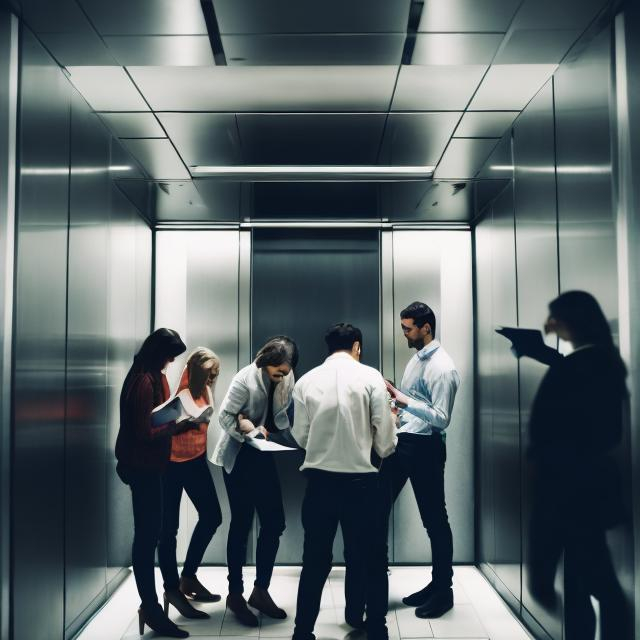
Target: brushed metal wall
pixel 40 347
pixel 8 116
pixel 435 267
pixel 558 233
pixel 200 294
pixel 81 310
pixel 303 281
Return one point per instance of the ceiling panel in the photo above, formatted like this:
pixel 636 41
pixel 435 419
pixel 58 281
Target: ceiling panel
pixel 197 201
pixel 158 157
pixel 485 124
pixel 161 50
pixel 463 158
pixel 107 88
pixel 455 48
pixel 204 138
pixel 311 139
pixel 426 201
pixel 63 16
pixel 467 15
pixel 511 87
pixel 294 16
pixel 567 14
pixel 417 139
pixel 146 17
pixel 499 165
pixel 436 87
pixel 536 46
pixel 347 88
pixel 314 49
pixel 81 49
pixel 133 125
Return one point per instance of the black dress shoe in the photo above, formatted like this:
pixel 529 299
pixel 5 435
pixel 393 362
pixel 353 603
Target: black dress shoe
pixel 237 604
pixel 419 597
pixel 262 601
pixel 156 619
pixel 439 603
pixel 180 602
pixel 194 589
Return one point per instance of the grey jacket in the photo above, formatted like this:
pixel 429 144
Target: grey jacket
pixel 247 395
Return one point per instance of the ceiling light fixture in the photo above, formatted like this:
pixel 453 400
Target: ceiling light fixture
pixel 308 173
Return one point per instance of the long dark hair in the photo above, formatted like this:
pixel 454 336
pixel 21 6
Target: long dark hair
pixel 587 323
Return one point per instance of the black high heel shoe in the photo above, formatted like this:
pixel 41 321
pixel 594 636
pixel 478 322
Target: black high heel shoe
pixel 180 602
pixel 156 620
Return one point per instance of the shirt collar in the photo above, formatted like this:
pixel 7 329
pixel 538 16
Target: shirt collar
pixel 339 354
pixel 427 352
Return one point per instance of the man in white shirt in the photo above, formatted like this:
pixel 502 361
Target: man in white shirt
pixel 426 398
pixel 341 413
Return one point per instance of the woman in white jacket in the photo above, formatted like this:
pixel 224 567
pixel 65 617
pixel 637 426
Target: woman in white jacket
pixel 256 406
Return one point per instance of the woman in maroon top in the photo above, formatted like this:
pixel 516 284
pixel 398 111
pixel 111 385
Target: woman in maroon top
pixel 143 453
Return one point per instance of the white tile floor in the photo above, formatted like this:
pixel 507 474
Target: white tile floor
pixel 478 614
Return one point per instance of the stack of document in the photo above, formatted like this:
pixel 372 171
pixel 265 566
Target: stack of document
pixel 180 407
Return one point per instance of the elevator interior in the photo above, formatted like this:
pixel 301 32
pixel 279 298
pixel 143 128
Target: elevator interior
pixel 118 122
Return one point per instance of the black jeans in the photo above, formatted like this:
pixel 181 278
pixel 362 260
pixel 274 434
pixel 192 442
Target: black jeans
pixel 253 486
pixel 194 477
pixel 421 460
pixel 353 501
pixel 146 496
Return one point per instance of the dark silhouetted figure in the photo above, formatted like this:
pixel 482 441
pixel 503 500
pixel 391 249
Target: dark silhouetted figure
pixel 576 422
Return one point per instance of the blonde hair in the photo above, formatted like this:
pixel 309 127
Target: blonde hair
pixel 200 363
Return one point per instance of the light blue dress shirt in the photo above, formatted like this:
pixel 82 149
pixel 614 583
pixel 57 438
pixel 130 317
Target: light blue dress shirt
pixel 431 381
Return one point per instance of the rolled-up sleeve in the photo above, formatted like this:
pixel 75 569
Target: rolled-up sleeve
pixel 437 413
pixel 382 421
pixel 301 422
pixel 235 400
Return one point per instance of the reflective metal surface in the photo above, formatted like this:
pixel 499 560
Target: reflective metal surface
pixel 302 88
pixel 133 125
pixel 40 348
pixel 435 267
pixel 455 48
pixel 467 15
pixel 196 289
pixel 537 267
pixel 464 157
pixel 303 281
pixel 158 157
pixel 8 118
pixel 485 124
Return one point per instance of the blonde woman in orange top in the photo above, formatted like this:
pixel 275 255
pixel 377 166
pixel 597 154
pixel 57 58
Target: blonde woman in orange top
pixel 188 470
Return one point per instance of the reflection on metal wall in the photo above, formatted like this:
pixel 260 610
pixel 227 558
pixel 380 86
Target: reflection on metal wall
pixel 537 268
pixel 435 267
pixel 8 115
pixel 83 277
pixel 40 341
pixel 198 294
pixel 566 160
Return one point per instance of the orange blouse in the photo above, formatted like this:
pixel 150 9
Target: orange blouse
pixel 193 443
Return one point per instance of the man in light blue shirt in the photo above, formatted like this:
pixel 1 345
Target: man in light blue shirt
pixel 425 402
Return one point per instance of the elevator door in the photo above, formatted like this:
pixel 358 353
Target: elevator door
pixel 303 281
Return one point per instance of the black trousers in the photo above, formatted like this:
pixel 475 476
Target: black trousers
pixel 193 477
pixel 146 496
pixel 253 486
pixel 421 459
pixel 353 501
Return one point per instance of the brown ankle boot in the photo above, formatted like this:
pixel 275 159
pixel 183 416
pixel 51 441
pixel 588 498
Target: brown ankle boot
pixel 237 604
pixel 262 601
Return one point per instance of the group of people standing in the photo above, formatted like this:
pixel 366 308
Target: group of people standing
pixel 363 437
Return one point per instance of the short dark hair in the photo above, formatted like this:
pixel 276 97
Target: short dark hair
pixel 421 314
pixel 342 336
pixel 276 351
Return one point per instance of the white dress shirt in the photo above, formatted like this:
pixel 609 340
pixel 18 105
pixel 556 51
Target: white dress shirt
pixel 431 381
pixel 340 413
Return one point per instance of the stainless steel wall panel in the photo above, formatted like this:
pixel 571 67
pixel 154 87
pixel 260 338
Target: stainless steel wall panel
pixel 39 383
pixel 537 269
pixel 303 281
pixel 196 288
pixel 85 427
pixel 435 267
pixel 506 426
pixel 8 123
